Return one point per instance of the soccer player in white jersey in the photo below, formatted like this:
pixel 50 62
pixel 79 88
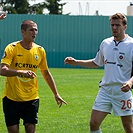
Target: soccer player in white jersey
pixel 19 64
pixel 116 55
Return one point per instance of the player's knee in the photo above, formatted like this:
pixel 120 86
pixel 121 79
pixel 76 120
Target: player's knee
pixel 94 124
pixel 30 128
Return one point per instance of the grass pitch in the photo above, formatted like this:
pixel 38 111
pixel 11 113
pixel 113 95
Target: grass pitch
pixel 79 88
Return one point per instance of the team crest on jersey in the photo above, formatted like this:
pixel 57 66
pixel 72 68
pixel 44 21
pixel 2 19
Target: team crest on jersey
pixel 36 57
pixel 4 55
pixel 121 56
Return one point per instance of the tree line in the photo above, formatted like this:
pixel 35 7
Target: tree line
pixel 24 7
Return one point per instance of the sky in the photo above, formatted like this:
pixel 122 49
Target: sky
pixel 92 7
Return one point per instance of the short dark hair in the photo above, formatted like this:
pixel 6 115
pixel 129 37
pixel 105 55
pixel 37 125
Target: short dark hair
pixel 119 16
pixel 26 23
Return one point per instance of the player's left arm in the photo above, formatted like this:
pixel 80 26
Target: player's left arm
pixel 51 83
pixel 128 85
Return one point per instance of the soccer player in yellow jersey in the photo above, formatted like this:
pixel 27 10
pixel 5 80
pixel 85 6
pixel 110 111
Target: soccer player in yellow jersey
pixel 19 64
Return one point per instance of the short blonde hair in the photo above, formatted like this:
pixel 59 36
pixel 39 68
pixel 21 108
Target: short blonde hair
pixel 119 16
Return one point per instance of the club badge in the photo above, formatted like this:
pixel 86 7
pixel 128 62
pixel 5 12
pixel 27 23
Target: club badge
pixel 121 56
pixel 36 57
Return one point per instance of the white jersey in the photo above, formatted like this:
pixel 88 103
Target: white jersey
pixel 116 57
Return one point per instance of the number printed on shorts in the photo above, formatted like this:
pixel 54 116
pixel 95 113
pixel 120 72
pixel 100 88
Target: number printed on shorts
pixel 126 104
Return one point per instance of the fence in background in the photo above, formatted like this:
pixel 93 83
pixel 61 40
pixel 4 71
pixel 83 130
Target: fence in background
pixel 62 35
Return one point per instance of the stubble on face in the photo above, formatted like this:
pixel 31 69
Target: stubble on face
pixel 118 29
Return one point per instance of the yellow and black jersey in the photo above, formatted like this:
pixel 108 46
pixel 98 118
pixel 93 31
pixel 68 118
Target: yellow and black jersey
pixel 18 58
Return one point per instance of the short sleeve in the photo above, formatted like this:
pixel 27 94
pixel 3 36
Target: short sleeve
pixel 99 59
pixel 43 64
pixel 8 54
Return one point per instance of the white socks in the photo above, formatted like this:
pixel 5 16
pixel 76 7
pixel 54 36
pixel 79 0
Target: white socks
pixel 98 131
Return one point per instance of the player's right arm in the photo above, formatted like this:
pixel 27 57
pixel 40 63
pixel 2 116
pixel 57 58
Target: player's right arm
pixel 5 70
pixel 83 63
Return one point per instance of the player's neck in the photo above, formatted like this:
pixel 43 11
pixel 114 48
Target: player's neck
pixel 26 45
pixel 120 38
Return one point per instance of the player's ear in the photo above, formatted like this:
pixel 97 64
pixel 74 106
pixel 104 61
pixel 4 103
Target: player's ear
pixel 22 31
pixel 125 27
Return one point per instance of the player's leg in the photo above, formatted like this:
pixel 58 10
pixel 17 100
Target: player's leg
pixel 30 115
pixel 123 107
pixel 127 122
pixel 10 109
pixel 102 107
pixel 96 119
pixel 30 128
pixel 13 129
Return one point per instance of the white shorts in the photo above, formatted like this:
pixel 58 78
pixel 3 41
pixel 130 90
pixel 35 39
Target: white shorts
pixel 111 98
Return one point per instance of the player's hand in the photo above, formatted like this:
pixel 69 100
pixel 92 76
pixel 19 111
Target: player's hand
pixel 59 100
pixel 3 16
pixel 70 60
pixel 28 74
pixel 126 86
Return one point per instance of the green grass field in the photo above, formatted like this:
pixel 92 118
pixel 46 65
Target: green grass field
pixel 79 88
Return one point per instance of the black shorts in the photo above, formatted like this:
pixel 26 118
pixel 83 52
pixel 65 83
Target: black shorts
pixel 14 111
